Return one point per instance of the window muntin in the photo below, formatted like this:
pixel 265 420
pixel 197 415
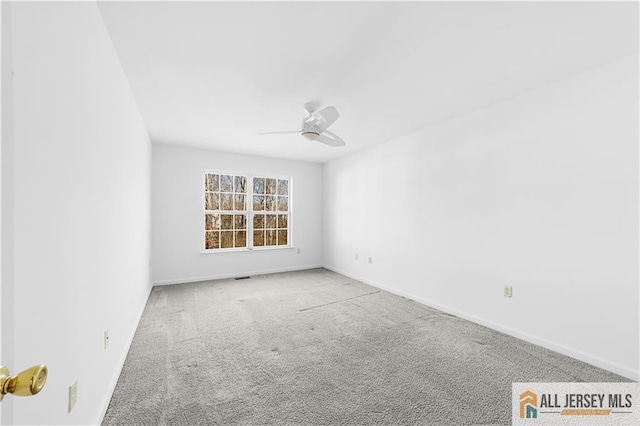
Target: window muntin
pixel 270 212
pixel 243 211
pixel 226 211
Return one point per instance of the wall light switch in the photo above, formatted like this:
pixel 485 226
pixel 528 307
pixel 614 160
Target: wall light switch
pixel 106 338
pixel 73 394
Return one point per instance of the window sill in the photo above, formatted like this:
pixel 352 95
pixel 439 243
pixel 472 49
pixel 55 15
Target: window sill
pixel 244 249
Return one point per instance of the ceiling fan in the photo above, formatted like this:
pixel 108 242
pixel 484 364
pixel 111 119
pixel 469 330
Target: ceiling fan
pixel 314 127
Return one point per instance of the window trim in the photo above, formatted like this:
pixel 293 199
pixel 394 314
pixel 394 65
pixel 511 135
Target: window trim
pixel 250 211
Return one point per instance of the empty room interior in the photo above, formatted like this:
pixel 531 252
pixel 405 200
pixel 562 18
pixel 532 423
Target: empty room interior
pixel 315 213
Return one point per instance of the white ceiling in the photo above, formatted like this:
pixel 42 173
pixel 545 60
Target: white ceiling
pixel 213 74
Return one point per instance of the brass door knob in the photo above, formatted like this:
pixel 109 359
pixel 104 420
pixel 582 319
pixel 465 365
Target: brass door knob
pixel 26 383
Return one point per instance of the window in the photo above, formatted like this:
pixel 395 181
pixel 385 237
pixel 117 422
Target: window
pixel 242 211
pixel 270 212
pixel 225 218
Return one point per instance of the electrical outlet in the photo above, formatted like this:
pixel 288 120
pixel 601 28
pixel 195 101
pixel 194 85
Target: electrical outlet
pixel 370 260
pixel 106 338
pixel 298 250
pixel 356 256
pixel 508 291
pixel 73 394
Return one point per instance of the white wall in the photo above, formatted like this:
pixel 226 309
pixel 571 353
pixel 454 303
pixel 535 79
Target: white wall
pixel 177 219
pixel 539 192
pixel 81 209
pixel 6 124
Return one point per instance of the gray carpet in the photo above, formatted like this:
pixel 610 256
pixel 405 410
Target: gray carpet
pixel 315 347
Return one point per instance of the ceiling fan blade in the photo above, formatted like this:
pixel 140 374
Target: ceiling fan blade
pixel 329 114
pixel 330 139
pixel 280 133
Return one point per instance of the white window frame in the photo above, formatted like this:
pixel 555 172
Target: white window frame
pixel 249 211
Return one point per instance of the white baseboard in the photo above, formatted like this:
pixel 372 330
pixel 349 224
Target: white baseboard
pixel 123 358
pixel 556 347
pixel 234 275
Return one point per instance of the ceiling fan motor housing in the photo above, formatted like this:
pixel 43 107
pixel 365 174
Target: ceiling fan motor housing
pixel 312 124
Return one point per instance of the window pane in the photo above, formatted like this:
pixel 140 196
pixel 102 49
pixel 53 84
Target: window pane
pixel 271 237
pixel 270 186
pixel 240 221
pixel 283 204
pixel 226 202
pixel 227 221
pixel 240 202
pixel 258 221
pixel 258 238
pixel 270 203
pixel 212 222
pixel 271 221
pixel 282 237
pixel 283 187
pixel 282 221
pixel 258 202
pixel 240 184
pixel 212 201
pixel 212 240
pixel 241 238
pixel 211 182
pixel 258 185
pixel 226 239
pixel 226 183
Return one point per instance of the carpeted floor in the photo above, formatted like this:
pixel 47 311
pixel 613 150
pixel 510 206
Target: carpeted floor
pixel 315 347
